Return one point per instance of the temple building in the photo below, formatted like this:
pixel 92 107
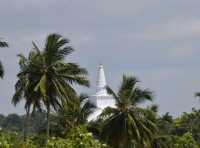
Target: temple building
pixel 101 99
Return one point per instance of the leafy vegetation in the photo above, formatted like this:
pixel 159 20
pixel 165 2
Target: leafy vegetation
pixel 185 141
pixel 76 138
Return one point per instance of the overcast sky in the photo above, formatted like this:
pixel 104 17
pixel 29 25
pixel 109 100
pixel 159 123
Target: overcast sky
pixel 155 40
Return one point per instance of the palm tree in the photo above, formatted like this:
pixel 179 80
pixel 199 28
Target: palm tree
pixel 54 76
pixel 2 44
pixel 24 90
pixel 159 140
pixel 197 94
pixel 79 112
pixel 127 125
pixel 76 114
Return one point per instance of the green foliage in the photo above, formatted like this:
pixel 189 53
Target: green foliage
pixel 8 140
pixel 129 125
pixel 81 138
pixel 77 138
pixel 71 116
pixel 185 141
pixel 12 122
pixel 14 140
pixel 57 143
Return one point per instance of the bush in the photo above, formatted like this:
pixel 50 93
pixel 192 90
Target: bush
pixel 8 140
pixel 77 138
pixel 185 141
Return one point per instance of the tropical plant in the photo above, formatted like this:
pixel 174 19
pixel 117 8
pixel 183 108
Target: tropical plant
pixel 54 76
pixel 2 44
pixel 24 89
pixel 78 113
pixel 127 125
pixel 188 122
pixel 71 116
pixel 185 141
pixel 159 140
pixel 79 137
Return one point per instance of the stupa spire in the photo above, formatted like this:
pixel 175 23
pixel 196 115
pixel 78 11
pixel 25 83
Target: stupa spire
pixel 101 82
pixel 101 99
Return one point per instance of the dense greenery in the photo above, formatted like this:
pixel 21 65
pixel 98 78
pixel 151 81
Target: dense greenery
pixel 77 138
pixel 56 116
pixel 173 133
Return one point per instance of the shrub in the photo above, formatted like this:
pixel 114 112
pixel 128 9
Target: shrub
pixel 77 138
pixel 185 141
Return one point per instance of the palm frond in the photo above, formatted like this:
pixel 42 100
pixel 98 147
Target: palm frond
pixel 56 48
pixel 128 82
pixel 111 92
pixel 107 112
pixel 197 94
pixel 139 95
pixel 1 70
pixel 3 44
pixel 35 47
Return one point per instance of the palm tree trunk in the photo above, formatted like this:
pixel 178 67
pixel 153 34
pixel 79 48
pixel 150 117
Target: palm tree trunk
pixel 47 130
pixel 26 123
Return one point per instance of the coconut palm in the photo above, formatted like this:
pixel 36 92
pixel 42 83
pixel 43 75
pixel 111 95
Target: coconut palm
pixel 159 140
pixel 24 90
pixel 76 114
pixel 54 76
pixel 2 44
pixel 127 125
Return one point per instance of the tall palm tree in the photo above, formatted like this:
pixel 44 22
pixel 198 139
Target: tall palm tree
pixel 24 90
pixel 54 76
pixel 127 125
pixel 2 44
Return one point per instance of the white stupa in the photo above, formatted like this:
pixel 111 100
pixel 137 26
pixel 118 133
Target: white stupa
pixel 101 99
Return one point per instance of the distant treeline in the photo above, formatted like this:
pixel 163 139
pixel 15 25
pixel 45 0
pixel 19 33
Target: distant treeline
pixel 15 122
